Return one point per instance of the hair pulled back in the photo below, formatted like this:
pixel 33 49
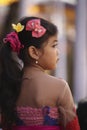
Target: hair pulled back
pixel 10 72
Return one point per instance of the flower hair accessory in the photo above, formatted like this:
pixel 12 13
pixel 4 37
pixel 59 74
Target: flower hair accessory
pixel 35 27
pixel 18 28
pixel 13 39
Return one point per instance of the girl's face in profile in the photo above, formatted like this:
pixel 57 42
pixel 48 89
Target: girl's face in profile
pixel 49 54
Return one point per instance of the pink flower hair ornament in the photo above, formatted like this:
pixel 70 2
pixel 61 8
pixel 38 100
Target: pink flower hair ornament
pixel 35 27
pixel 13 39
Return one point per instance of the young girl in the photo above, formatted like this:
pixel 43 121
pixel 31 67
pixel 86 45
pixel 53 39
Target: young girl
pixel 30 99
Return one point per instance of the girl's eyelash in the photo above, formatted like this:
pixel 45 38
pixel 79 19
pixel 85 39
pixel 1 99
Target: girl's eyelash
pixel 55 45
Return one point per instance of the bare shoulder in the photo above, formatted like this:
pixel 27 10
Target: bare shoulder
pixel 56 81
pixel 57 86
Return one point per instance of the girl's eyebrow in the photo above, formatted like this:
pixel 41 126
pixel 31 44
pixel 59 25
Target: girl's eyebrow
pixel 55 41
pixel 52 42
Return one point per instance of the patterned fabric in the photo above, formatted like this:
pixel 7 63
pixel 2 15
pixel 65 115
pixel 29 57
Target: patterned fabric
pixel 29 116
pixel 46 118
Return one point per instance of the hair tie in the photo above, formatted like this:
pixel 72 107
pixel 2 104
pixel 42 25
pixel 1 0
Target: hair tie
pixel 18 28
pixel 13 39
pixel 35 27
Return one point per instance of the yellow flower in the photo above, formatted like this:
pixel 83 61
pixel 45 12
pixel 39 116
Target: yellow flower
pixel 18 27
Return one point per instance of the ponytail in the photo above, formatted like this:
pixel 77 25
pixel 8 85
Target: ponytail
pixel 10 82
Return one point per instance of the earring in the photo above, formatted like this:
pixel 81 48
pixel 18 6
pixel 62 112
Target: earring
pixel 36 62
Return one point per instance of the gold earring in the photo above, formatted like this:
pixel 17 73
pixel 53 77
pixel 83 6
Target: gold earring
pixel 36 62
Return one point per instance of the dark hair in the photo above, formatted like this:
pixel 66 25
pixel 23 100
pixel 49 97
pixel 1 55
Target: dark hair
pixel 27 39
pixel 10 72
pixel 82 114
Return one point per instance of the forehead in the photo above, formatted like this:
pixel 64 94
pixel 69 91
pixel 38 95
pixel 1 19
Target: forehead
pixel 50 40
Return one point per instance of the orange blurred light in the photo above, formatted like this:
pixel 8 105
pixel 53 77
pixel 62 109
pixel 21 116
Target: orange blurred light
pixel 34 9
pixel 6 2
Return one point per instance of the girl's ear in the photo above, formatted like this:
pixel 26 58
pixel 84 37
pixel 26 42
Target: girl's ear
pixel 33 52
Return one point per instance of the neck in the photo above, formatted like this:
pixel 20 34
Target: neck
pixel 36 67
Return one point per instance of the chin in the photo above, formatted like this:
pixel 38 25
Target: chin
pixel 53 68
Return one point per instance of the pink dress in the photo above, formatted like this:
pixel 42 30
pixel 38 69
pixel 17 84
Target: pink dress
pixel 46 118
pixel 62 117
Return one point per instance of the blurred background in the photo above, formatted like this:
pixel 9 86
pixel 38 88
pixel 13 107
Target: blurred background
pixel 71 18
